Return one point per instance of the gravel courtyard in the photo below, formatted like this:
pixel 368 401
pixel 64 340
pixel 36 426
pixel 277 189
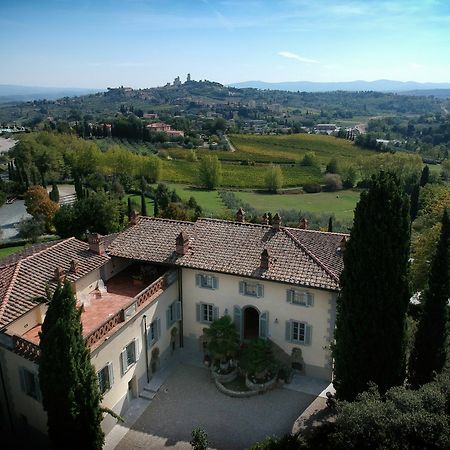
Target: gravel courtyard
pixel 189 399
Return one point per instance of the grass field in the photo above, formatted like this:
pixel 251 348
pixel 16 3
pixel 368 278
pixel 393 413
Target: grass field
pixel 239 176
pixel 136 199
pixel 10 250
pixel 340 203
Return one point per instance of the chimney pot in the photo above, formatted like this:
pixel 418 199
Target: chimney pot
pixel 342 245
pixel 74 266
pixel 303 224
pixel 265 219
pixel 59 275
pixel 240 215
pixel 182 243
pixel 134 218
pixel 96 243
pixel 276 222
pixel 265 260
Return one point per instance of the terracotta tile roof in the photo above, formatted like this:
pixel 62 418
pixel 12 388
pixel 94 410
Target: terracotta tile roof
pixel 301 257
pixel 25 277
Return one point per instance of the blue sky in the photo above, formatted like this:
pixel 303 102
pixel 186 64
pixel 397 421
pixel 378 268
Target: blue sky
pixel 143 43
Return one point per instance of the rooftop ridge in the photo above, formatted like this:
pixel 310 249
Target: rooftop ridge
pixel 234 222
pixel 161 219
pixel 335 233
pixel 311 255
pixel 9 290
pixel 40 252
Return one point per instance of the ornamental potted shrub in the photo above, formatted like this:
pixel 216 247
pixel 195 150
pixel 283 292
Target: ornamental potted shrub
pixel 258 362
pixel 222 343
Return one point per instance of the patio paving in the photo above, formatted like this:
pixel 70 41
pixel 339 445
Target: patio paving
pixel 189 398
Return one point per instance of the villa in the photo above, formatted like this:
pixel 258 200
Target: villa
pixel 152 289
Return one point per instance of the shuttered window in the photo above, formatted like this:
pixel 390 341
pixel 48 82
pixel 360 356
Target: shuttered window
pixel 154 332
pixel 105 378
pixel 29 382
pixel 206 281
pixel 173 313
pixel 298 332
pixel 206 312
pixel 129 355
pixel 299 297
pixel 251 289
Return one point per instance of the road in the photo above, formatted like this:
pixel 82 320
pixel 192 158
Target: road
pixel 10 215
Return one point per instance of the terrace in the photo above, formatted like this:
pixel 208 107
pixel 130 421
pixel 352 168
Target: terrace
pixel 104 312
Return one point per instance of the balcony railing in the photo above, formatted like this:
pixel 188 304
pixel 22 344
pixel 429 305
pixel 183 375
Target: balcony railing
pixel 31 351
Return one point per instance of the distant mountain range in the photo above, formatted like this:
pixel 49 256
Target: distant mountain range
pixel 358 85
pixel 13 93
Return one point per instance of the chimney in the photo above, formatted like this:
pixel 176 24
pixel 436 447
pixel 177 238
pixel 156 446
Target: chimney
pixel 303 224
pixel 182 243
pixel 96 244
pixel 265 260
pixel 265 219
pixel 240 215
pixel 74 266
pixel 276 222
pixel 134 217
pixel 59 275
pixel 342 245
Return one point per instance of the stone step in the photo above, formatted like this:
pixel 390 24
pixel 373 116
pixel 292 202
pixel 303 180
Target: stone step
pixel 147 395
pixel 149 389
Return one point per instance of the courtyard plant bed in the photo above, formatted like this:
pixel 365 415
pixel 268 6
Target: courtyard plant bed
pixel 225 375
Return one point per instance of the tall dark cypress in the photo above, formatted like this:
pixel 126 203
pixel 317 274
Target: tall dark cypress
pixel 424 178
pixel 330 225
pixel 371 307
pixel 430 345
pixel 155 207
pixel 68 381
pixel 129 209
pixel 414 209
pixel 143 205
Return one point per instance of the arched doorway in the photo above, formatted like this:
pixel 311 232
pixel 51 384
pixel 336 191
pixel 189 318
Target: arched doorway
pixel 251 323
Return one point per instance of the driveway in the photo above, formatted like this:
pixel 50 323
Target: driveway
pixel 10 215
pixel 189 399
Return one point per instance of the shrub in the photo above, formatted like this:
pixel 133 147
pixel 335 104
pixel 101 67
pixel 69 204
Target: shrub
pixel 222 338
pixel 274 179
pixel 310 160
pixel 312 188
pixel 333 182
pixel 257 358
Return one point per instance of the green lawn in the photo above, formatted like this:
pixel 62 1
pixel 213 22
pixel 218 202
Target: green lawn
pixel 340 203
pixel 6 251
pixel 137 201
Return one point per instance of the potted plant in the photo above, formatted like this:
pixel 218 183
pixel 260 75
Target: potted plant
pixel 222 343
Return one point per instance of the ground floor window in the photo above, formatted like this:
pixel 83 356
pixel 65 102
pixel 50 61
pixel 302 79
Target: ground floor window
pixel 207 312
pixel 298 332
pixel 30 383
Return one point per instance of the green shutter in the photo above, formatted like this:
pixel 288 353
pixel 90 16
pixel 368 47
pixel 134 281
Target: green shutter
pixel 158 328
pixel 136 349
pixel 289 295
pixel 259 290
pixel 308 332
pixel 264 324
pixel 198 312
pixel 215 283
pixel 310 299
pixel 237 316
pixel 241 287
pixel 215 312
pixel 288 330
pixel 123 361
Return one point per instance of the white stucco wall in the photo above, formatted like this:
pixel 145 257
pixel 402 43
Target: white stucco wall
pixel 316 356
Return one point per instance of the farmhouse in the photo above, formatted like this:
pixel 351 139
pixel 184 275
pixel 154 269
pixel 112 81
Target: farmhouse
pixel 151 291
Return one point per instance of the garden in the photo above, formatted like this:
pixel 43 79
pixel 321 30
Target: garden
pixel 241 370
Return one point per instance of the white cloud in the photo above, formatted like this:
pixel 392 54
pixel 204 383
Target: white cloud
pixel 302 59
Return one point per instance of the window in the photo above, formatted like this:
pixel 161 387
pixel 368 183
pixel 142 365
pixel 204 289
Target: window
pixel 105 378
pixel 251 289
pixel 206 312
pixel 30 383
pixel 153 332
pixel 298 297
pixel 129 355
pixel 298 332
pixel 173 313
pixel 206 281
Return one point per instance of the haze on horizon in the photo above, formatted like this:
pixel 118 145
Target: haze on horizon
pixel 145 43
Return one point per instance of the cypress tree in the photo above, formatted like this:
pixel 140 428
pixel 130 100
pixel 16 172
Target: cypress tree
pixel 371 308
pixel 330 225
pixel 78 187
pixel 67 378
pixel 54 193
pixel 414 209
pixel 424 178
pixel 143 205
pixel 129 210
pixel 155 207
pixel 430 346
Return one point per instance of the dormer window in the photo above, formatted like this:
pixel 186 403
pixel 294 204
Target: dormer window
pixel 206 281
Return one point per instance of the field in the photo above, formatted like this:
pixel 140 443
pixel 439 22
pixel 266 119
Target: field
pixel 136 199
pixel 340 203
pixel 6 251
